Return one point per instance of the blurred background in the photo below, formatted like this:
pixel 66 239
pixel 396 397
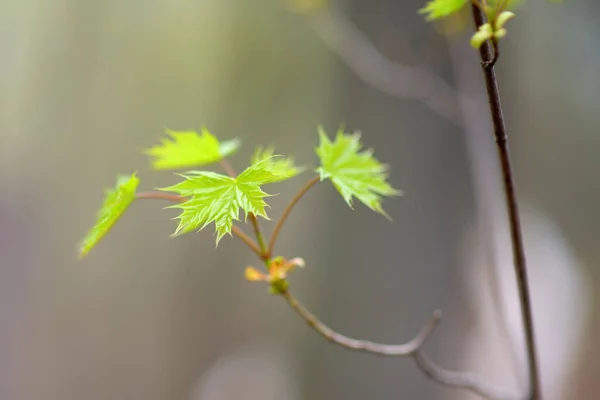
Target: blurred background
pixel 84 86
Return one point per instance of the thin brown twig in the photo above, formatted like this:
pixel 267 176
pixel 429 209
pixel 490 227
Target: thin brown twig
pixel 364 345
pixel 500 133
pixel 490 208
pixel 227 167
pixel 179 199
pixel 286 213
pixel 460 379
pixel 246 239
pixel 264 252
pixel 160 196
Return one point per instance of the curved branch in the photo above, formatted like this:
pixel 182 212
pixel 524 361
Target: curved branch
pixel 458 379
pixel 364 345
pixel 395 79
pixel 464 380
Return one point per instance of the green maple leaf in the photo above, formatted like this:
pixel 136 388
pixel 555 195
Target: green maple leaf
pixel 283 167
pixel 218 198
pixel 116 201
pixel 436 9
pixel 352 172
pixel 190 149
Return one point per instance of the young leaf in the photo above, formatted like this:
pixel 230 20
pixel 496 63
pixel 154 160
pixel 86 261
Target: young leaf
pixel 503 17
pixel 116 201
pixel 218 198
pixel 190 149
pixel 436 9
pixel 484 33
pixel 283 167
pixel 352 172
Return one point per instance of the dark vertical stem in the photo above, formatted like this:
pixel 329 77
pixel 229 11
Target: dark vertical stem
pixel 487 54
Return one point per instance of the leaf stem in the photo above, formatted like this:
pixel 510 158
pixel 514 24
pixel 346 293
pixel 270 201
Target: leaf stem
pixel 486 53
pixel 363 345
pixel 288 210
pixel 160 196
pixel 227 167
pixel 178 199
pixel 246 239
pixel 263 253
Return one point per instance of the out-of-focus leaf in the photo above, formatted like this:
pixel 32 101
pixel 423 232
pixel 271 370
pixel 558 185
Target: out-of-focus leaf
pixel 116 201
pixel 190 149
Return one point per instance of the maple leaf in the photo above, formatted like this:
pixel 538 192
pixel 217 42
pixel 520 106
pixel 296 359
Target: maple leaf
pixel 190 149
pixel 116 201
pixel 352 172
pixel 218 198
pixel 282 167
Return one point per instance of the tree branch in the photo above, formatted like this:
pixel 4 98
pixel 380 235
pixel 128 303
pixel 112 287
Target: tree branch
pixel 395 79
pixel 487 53
pixel 288 210
pixel 364 345
pixel 490 209
pixel 464 380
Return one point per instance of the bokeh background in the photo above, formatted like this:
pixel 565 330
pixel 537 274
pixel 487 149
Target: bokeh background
pixel 85 85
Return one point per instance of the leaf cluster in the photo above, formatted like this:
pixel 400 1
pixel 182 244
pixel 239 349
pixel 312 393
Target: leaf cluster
pixel 206 197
